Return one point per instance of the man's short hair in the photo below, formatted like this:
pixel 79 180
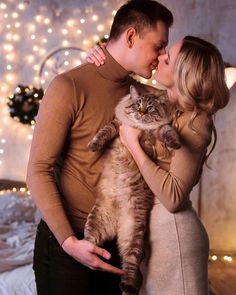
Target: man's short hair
pixel 141 15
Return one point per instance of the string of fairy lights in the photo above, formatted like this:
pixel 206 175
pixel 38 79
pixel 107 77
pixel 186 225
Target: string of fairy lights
pixel 28 34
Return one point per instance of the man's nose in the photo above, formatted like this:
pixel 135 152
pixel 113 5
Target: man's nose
pixel 162 51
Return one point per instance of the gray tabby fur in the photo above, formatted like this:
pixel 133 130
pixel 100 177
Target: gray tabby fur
pixel 124 199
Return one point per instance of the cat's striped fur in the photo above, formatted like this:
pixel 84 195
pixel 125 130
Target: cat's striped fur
pixel 124 199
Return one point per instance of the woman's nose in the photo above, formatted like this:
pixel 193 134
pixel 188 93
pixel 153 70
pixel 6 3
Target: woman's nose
pixel 162 51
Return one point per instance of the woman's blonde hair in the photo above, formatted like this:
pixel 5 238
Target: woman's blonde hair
pixel 199 77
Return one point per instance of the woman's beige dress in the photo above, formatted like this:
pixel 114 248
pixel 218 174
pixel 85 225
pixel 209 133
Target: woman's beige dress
pixel 177 247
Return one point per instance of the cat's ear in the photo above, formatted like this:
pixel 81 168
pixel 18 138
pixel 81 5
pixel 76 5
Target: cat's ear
pixel 134 93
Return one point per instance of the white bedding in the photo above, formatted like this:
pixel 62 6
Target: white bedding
pixel 17 233
pixel 19 281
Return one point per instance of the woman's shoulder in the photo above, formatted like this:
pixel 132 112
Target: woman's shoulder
pixel 195 129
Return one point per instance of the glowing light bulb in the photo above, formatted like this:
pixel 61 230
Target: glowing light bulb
pixel 79 31
pixel 3 6
pixel 32 37
pixel 1 151
pixel 65 43
pixel 8 26
pixel 30 58
pixel 17 25
pixel 8 47
pixel 66 63
pixel 38 18
pixel 225 257
pixel 5 15
pixel 96 38
pixel 94 17
pixel 16 37
pixel 31 27
pixel 10 77
pixel 45 40
pixel 47 21
pixel 100 28
pixel 15 15
pixel 10 56
pixel 21 6
pixel 9 36
pixel 66 53
pixel 83 54
pixel 9 67
pixel 64 31
pixel 50 30
pixel 214 257
pixel 35 48
pixel 36 67
pixel 70 23
pixel 230 76
pixel 154 82
pixel 82 20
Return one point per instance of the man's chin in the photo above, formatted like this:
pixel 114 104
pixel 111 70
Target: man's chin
pixel 145 75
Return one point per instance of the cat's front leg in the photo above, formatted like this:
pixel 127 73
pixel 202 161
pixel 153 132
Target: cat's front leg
pixel 105 134
pixel 169 136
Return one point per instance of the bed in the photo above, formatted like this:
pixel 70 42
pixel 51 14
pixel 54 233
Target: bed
pixel 18 222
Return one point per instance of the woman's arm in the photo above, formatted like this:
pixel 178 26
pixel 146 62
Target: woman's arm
pixel 171 187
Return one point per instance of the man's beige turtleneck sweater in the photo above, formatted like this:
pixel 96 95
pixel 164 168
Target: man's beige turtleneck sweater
pixel 75 106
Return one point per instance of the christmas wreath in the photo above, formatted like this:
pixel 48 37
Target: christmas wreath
pixel 24 103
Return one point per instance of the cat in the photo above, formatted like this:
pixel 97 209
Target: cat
pixel 124 199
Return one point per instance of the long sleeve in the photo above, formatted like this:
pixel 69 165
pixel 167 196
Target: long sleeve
pixel 172 187
pixel 56 115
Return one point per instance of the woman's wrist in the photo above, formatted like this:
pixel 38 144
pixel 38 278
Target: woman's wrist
pixel 137 153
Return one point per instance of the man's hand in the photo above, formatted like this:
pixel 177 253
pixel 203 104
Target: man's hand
pixel 86 253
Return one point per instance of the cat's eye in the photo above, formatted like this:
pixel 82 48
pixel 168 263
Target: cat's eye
pixel 150 108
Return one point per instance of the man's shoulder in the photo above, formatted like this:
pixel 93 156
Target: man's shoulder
pixel 80 70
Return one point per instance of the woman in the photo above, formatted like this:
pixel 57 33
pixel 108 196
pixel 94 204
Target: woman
pixel 177 251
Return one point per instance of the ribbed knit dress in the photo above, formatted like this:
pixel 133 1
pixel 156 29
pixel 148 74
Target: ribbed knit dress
pixel 177 246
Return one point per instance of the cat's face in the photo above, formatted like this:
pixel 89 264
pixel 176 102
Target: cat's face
pixel 145 111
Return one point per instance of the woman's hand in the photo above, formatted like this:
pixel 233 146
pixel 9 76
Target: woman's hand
pixel 129 136
pixel 96 55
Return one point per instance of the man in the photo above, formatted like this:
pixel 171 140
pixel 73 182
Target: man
pixel 77 104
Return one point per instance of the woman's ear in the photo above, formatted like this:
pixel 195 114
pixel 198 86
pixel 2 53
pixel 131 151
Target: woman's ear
pixel 131 34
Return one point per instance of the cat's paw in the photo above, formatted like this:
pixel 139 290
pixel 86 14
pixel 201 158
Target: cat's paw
pixel 170 137
pixel 128 288
pixel 172 140
pixel 94 145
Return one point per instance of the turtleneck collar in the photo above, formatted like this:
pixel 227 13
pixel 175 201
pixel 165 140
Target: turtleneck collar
pixel 112 70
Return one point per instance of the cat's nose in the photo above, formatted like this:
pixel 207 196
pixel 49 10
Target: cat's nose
pixel 142 113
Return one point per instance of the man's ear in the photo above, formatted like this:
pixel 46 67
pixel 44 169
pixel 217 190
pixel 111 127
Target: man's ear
pixel 131 35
